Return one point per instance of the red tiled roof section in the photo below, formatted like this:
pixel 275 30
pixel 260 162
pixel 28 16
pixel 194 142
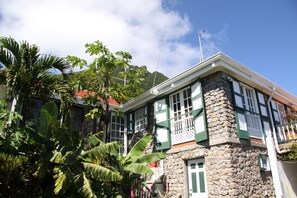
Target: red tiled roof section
pixel 83 93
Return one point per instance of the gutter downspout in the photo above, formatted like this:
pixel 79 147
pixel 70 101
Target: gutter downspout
pixel 273 128
pixel 272 154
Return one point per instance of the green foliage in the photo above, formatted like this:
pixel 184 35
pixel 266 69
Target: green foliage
pixel 292 154
pixel 110 75
pixel 11 139
pixel 58 163
pixel 105 75
pixel 133 166
pixel 27 72
pixel 150 78
pixel 136 85
pixel 6 115
pixel 13 172
pixel 291 115
pixel 44 158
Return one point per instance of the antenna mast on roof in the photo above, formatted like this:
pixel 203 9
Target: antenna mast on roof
pixel 157 67
pixel 200 44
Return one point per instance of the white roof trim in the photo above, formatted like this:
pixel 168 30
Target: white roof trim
pixel 217 62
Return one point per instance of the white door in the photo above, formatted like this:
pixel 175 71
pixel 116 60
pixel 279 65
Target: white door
pixel 197 178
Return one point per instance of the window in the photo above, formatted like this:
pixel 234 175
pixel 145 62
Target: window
pixel 77 116
pixel 249 99
pixel 197 184
pixel 117 130
pixel 182 125
pixel 140 119
pixel 181 104
pixel 279 112
pixel 252 113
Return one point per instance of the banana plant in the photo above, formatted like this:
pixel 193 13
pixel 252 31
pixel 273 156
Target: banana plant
pixel 74 167
pixel 132 167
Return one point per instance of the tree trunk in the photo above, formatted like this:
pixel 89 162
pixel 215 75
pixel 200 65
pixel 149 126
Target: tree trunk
pixel 12 109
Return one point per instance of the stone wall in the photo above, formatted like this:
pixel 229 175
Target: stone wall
pixel 231 171
pixel 231 164
pixel 249 180
pixel 219 108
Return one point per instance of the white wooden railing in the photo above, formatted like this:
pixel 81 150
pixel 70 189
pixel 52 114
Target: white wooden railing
pixel 182 130
pixel 287 132
pixel 254 124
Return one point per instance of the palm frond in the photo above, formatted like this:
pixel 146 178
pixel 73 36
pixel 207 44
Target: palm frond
pixel 101 151
pixel 62 178
pixel 138 149
pixel 12 51
pixel 150 158
pixel 101 173
pixel 138 168
pixel 86 189
pixel 94 139
pixel 54 62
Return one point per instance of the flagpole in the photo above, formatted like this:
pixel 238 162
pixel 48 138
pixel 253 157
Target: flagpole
pixel 200 44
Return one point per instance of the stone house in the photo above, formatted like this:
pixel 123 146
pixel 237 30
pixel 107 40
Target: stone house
pixel 215 122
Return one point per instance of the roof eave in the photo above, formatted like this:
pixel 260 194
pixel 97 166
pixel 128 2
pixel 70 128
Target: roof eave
pixel 217 62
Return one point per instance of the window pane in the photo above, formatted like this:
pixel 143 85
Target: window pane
pixel 201 181
pixel 140 117
pixel 194 182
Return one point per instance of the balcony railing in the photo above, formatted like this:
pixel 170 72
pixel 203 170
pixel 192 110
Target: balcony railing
pixel 254 124
pixel 287 132
pixel 182 129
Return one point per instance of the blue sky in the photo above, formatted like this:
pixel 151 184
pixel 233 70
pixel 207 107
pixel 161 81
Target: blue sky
pixel 163 34
pixel 259 34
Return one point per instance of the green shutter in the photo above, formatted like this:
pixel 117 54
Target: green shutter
pixel 130 123
pixel 162 127
pixel 275 114
pixel 262 101
pixel 199 112
pixel 239 111
pixel 194 182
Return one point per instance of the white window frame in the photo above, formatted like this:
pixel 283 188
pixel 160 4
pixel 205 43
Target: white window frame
pixel 182 113
pixel 196 169
pixel 140 119
pixel 117 130
pixel 254 112
pixel 182 124
pixel 254 99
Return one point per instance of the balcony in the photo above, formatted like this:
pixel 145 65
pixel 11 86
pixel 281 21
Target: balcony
pixel 287 133
pixel 182 129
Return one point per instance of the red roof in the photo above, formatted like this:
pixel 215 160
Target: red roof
pixel 84 93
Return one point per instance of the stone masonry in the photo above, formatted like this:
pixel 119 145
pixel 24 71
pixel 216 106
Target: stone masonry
pixel 231 164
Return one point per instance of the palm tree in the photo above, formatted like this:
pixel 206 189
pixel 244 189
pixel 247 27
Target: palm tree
pixel 26 73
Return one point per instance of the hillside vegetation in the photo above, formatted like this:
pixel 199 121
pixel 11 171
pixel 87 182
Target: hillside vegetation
pixel 146 84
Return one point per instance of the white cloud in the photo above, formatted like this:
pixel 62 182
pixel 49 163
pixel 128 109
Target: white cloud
pixel 144 28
